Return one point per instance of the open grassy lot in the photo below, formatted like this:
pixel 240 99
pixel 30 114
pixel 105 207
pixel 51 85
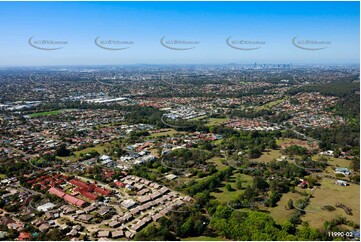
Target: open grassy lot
pixel 34 115
pixel 99 148
pixel 280 213
pixel 268 156
pixel 334 162
pixel 330 194
pixel 275 154
pixel 216 121
pixel 218 162
pixel 223 196
pixel 283 140
pixel 288 142
pixel 270 104
pixel 154 152
pixel 338 162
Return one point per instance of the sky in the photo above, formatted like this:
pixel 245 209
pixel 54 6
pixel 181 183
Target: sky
pixel 271 32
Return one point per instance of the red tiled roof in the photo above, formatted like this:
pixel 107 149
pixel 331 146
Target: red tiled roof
pixel 70 199
pixel 56 191
pixel 79 183
pixel 119 184
pixel 24 236
pixel 73 200
pixel 109 174
pixel 89 195
pixel 80 203
pixel 92 186
pixel 102 191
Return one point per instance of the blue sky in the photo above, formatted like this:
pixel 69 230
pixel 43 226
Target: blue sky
pixel 209 23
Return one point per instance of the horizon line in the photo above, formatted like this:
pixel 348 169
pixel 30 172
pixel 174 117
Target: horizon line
pixel 182 64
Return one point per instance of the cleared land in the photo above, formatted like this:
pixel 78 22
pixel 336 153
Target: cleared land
pixel 338 162
pixel 48 113
pixel 288 142
pixel 216 121
pixel 268 156
pixel 270 104
pixel 218 162
pixel 284 140
pixel 154 152
pixel 333 163
pixel 280 213
pixel 223 195
pixel 99 148
pixel 330 194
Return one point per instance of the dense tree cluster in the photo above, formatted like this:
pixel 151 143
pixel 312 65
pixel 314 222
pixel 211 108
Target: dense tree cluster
pixel 295 150
pixel 254 226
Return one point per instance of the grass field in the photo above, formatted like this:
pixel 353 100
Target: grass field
pixel 334 162
pixel 330 194
pixel 268 156
pixel 280 213
pixel 274 154
pixel 218 162
pixel 223 196
pixel 338 162
pixel 48 113
pixel 154 152
pixel 270 104
pixel 99 148
pixel 216 121
pixel 284 140
pixel 3 176
pixel 289 142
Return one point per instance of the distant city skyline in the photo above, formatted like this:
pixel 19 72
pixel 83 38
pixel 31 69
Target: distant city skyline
pixel 220 33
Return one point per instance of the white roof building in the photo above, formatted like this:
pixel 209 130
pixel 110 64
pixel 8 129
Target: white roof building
pixel 45 207
pixel 128 203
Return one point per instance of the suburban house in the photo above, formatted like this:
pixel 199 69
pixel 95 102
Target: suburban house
pixel 341 183
pixel 342 170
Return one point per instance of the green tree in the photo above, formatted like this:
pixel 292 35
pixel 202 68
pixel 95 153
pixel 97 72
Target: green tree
pixel 290 204
pixel 229 187
pixel 238 182
pixel 62 151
